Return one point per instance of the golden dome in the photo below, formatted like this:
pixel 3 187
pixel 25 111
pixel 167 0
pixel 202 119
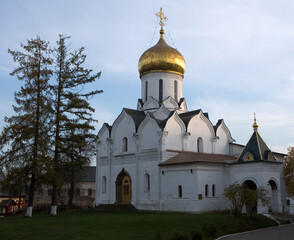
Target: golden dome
pixel 162 57
pixel 255 125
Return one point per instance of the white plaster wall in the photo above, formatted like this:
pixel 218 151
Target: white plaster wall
pixel 104 196
pixel 260 173
pixel 124 128
pixel 222 144
pixel 168 85
pixel 148 200
pixel 173 177
pixel 174 138
pixel 199 128
pixel 149 137
pixel 193 183
pixel 236 149
pixel 103 148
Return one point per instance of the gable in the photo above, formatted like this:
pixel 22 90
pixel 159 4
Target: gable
pixel 170 103
pixel 162 113
pixel 150 104
pixel 257 149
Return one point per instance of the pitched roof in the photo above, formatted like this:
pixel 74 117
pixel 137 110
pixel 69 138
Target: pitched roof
pixel 161 123
pixel 186 117
pixel 108 127
pixel 181 101
pixel 7 203
pixel 219 122
pixel 86 174
pixel 141 102
pixel 256 150
pixel 137 116
pixel 193 157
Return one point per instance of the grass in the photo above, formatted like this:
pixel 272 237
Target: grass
pixel 84 224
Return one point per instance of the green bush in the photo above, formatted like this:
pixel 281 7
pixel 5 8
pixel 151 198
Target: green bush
pixel 179 236
pixel 195 235
pixel 209 229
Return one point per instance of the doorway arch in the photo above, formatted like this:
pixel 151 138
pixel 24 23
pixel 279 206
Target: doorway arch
pixel 251 207
pixel 274 196
pixel 123 187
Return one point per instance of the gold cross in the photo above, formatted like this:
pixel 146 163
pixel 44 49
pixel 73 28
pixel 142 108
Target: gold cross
pixel 162 17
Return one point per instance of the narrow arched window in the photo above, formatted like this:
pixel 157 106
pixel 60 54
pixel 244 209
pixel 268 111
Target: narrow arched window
pixel 160 90
pixel 213 190
pixel 199 145
pixel 104 184
pixel 206 190
pixel 147 182
pixel 125 144
pixel 89 191
pixel 180 191
pixel 176 90
pixel 146 91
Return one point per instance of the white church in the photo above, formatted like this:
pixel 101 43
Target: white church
pixel 163 157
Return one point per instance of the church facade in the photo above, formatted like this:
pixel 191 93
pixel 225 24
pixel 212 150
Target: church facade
pixel 163 157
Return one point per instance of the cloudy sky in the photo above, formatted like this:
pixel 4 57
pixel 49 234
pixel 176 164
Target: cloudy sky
pixel 239 55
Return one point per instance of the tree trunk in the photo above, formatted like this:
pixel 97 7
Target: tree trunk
pixel 29 211
pixel 19 200
pixel 71 189
pixel 57 142
pixel 54 201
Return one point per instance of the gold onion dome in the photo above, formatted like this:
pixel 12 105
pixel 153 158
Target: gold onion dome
pixel 255 125
pixel 162 58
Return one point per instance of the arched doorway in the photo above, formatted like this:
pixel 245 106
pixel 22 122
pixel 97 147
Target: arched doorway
pixel 123 187
pixel 274 196
pixel 251 196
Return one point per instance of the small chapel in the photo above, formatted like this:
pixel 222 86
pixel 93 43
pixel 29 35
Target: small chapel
pixel 163 157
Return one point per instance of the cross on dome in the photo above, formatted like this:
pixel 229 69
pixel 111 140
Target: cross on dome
pixel 162 17
pixel 255 125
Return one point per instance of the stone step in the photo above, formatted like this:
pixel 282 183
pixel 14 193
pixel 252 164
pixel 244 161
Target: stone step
pixel 118 207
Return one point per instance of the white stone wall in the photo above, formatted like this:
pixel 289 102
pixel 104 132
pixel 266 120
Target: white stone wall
pixel 192 178
pixel 175 130
pixel 200 126
pixel 222 143
pixel 123 127
pixel 260 173
pixel 148 135
pixel 168 85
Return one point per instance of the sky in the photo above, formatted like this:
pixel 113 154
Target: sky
pixel 239 55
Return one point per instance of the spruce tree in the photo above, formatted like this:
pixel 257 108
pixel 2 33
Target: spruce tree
pixel 73 112
pixel 24 140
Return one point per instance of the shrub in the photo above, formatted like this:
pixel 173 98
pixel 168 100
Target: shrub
pixel 209 229
pixel 195 235
pixel 179 236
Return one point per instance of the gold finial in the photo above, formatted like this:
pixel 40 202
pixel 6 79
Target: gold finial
pixel 162 17
pixel 255 125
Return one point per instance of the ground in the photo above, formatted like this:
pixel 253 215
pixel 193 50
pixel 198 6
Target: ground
pixel 85 224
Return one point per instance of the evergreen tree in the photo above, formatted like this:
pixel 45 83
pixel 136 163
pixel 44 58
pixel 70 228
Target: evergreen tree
pixel 24 140
pixel 73 113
